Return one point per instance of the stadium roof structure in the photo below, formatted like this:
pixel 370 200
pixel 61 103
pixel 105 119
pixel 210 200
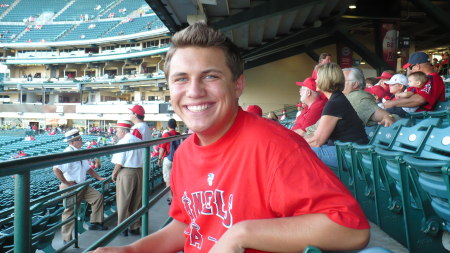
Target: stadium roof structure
pixel 269 30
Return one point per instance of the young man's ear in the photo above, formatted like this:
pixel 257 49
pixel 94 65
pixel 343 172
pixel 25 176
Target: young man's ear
pixel 239 85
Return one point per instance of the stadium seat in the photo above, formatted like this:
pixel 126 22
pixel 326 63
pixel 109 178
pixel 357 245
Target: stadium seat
pixel 420 225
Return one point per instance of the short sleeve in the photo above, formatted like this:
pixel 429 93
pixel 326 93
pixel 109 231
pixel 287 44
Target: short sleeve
pixel 312 188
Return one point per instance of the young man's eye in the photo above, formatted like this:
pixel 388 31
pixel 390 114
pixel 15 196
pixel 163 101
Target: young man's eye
pixel 181 79
pixel 211 77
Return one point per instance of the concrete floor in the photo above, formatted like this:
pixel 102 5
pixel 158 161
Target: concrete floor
pixel 158 215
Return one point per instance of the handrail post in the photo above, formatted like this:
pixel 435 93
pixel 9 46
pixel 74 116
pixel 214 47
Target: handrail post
pixel 145 178
pixel 22 216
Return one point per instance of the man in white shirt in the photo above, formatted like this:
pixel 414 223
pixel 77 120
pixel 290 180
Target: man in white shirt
pixel 140 128
pixel 128 177
pixel 75 173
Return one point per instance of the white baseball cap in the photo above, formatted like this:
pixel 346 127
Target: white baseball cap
pixel 398 79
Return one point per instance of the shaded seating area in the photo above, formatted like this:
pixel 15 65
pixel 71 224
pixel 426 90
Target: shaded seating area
pixel 399 180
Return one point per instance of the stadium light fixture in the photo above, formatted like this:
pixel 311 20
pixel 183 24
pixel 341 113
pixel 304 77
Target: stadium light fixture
pixel 352 6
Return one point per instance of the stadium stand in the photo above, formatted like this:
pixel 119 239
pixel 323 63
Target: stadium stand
pixel 44 33
pixel 26 9
pixel 131 26
pixel 82 31
pixel 128 5
pixel 10 32
pixel 392 192
pixel 80 8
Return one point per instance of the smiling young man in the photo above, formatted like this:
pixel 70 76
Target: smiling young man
pixel 235 185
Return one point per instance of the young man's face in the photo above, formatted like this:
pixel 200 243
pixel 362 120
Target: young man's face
pixel 203 92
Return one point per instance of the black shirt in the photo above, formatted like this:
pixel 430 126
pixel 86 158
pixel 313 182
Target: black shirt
pixel 349 127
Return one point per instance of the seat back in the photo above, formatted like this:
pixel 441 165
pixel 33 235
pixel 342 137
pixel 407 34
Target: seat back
pixel 385 136
pixel 410 139
pixel 437 146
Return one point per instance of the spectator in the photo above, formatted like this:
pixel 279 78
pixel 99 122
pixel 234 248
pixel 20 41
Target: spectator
pixel 75 173
pixel 323 58
pixel 140 128
pixel 127 174
pixel 243 164
pixel 381 90
pixel 339 121
pixel 314 106
pixel 427 97
pixel 371 81
pixel 164 151
pixel 397 86
pixel 272 116
pixel 255 109
pixel 363 102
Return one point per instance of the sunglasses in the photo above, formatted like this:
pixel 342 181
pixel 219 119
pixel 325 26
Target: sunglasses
pixel 412 66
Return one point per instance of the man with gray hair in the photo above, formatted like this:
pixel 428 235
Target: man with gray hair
pixel 363 102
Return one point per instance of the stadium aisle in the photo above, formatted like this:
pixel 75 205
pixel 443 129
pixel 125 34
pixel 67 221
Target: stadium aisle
pixel 158 215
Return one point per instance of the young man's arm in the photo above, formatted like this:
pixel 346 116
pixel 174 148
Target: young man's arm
pixel 413 101
pixel 169 239
pixel 291 234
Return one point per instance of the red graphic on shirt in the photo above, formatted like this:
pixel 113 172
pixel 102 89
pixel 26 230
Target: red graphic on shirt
pixel 206 203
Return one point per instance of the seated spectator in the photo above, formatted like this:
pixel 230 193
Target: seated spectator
pixel 397 86
pixel 314 106
pixel 371 81
pixel 255 109
pixel 339 121
pixel 272 116
pixel 300 106
pixel 416 81
pixel 427 97
pixel 381 90
pixel 323 58
pixel 283 115
pixel 363 102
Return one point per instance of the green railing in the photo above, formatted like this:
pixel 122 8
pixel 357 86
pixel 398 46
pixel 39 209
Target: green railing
pixel 21 168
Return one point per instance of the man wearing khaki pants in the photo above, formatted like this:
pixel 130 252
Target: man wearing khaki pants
pixel 128 177
pixel 75 173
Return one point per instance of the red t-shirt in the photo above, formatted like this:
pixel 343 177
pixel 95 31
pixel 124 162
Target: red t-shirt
pixel 432 92
pixel 166 146
pixel 257 170
pixel 310 115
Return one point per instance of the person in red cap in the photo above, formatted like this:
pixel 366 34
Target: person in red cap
pixel 428 96
pixel 127 175
pixel 255 109
pixel 140 128
pixel 381 90
pixel 314 105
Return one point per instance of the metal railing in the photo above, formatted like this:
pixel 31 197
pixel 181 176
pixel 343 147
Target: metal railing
pixel 22 209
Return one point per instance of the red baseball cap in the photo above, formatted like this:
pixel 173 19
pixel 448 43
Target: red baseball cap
pixel 255 109
pixel 139 110
pixel 385 75
pixel 309 83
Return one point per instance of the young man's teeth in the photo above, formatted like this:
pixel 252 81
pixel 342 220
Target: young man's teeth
pixel 197 108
